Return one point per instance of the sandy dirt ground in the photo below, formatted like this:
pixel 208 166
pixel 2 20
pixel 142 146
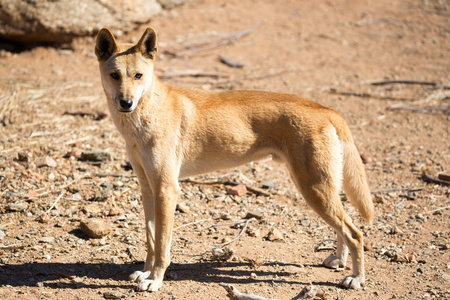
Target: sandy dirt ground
pixel 384 65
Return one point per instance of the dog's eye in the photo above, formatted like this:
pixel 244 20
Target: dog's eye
pixel 137 76
pixel 115 76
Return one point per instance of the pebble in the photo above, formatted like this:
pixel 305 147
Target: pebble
pixel 47 240
pixel 2 234
pixel 268 185
pixel 238 190
pixel 17 206
pixel 95 228
pixel 115 211
pixel 44 218
pixel 182 207
pixel 113 295
pixel 366 158
pixel 46 161
pixel 254 214
pixel 95 156
pixel 275 235
pixel 101 195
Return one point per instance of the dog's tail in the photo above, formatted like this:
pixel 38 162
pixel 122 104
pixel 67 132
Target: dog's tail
pixel 354 175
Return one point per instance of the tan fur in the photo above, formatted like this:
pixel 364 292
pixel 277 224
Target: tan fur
pixel 172 133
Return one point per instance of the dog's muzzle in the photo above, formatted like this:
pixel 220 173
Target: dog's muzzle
pixel 125 105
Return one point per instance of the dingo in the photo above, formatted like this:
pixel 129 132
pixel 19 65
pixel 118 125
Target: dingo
pixel 172 133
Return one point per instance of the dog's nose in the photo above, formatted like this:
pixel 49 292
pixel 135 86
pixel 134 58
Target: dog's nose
pixel 126 104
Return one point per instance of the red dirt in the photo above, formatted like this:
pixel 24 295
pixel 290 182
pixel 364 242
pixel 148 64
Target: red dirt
pixel 328 51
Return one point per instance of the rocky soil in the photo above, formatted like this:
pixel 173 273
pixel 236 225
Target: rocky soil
pixel 64 176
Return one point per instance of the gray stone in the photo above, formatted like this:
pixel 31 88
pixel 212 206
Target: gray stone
pixel 17 206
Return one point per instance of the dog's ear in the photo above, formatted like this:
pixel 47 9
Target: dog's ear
pixel 105 45
pixel 147 44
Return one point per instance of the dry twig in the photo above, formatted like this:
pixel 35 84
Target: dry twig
pixel 239 235
pixel 234 294
pixel 430 179
pixel 192 50
pixel 386 82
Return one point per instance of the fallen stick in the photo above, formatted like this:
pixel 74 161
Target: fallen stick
pixel 438 209
pixel 426 109
pixel 234 294
pixel 385 191
pixel 226 182
pixel 209 45
pixel 56 201
pixel 367 95
pixel 386 82
pixel 94 114
pixel 430 179
pixel 239 235
pixel 229 62
pixel 308 292
pixel 168 73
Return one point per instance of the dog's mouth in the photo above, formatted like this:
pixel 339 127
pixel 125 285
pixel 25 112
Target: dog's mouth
pixel 125 111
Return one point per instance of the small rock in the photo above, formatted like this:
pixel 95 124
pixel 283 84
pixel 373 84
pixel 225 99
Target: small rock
pixel 366 158
pixel 181 207
pixel 65 274
pixel 115 211
pixel 222 254
pixel 17 206
pixel 102 195
pixel 95 156
pixel 275 235
pixel 225 216
pixel 253 232
pixel 2 234
pixel 21 156
pixel 95 228
pixel 91 209
pixel 238 190
pixel 254 214
pixel 403 258
pixel 46 161
pixel 73 153
pixel 47 240
pixel 268 185
pixel 310 292
pixel 113 295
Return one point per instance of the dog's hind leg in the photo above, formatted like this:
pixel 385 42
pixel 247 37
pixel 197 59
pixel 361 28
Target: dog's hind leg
pixel 318 176
pixel 340 259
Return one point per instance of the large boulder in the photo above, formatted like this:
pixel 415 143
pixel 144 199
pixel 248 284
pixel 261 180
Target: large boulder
pixel 59 21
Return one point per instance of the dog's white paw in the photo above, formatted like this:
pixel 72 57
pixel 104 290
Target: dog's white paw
pixel 149 285
pixel 352 282
pixel 333 262
pixel 139 276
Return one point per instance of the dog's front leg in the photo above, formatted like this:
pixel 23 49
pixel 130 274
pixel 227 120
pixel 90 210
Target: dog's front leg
pixel 165 198
pixel 148 204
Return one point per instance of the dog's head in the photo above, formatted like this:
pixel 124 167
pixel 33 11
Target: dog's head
pixel 126 70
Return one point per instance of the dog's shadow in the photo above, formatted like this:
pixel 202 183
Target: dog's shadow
pixel 109 275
